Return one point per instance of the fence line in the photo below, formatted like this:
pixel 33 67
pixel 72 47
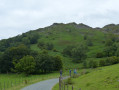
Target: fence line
pixel 65 86
pixel 9 84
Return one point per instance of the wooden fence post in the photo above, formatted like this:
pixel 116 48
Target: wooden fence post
pixel 15 81
pixel 7 84
pixel 64 85
pixel 0 84
pixel 67 86
pixel 59 83
pixel 72 87
pixel 4 85
pixel 11 83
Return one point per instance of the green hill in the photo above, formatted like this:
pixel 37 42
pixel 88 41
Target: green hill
pixel 63 35
pixel 60 36
pixel 105 78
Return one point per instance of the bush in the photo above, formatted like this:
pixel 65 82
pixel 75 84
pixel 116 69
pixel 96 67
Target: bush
pixel 112 60
pixel 58 63
pixel 89 42
pixel 25 65
pixel 93 64
pixel 49 46
pixel 75 76
pixel 55 50
pixel 41 45
pixel 99 55
pixel 102 63
pixel 85 64
pixel 109 61
pixel 69 81
pixel 67 50
pixel 79 53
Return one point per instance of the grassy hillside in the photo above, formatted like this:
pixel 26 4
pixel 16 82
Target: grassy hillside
pixel 63 35
pixel 104 78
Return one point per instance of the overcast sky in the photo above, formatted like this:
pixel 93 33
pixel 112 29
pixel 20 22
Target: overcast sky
pixel 18 16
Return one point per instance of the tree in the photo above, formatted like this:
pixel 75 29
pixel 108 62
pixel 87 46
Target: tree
pixel 110 50
pixel 99 55
pixel 117 52
pixel 108 42
pixel 89 42
pixel 68 50
pixel 58 63
pixel 79 53
pixel 33 36
pixel 85 37
pixel 26 41
pixel 25 65
pixel 41 45
pixel 13 53
pixel 45 63
pixel 92 64
pixel 49 46
pixel 85 64
pixel 102 62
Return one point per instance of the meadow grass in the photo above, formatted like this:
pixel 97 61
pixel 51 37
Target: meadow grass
pixel 103 78
pixel 61 37
pixel 17 81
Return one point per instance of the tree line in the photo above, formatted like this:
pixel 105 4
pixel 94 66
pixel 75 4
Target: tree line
pixel 21 59
pixel 108 56
pixel 26 39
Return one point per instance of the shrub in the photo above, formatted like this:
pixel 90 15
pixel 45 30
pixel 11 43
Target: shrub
pixel 109 61
pixel 55 50
pixel 67 50
pixel 99 55
pixel 85 64
pixel 69 81
pixel 41 45
pixel 89 42
pixel 102 62
pixel 25 65
pixel 49 46
pixel 93 64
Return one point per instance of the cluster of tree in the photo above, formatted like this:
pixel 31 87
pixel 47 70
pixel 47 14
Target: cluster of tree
pixel 99 63
pixel 78 53
pixel 111 47
pixel 109 61
pixel 26 38
pixel 88 40
pixel 21 59
pixel 47 46
pixel 46 63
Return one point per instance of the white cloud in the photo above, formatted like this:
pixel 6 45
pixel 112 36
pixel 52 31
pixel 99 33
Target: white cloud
pixel 17 16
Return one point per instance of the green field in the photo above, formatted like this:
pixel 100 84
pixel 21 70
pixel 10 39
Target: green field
pixel 61 36
pixel 104 78
pixel 17 81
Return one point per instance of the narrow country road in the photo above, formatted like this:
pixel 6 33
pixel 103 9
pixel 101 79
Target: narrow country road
pixel 43 85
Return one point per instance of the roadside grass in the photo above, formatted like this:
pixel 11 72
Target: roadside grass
pixel 18 81
pixel 102 78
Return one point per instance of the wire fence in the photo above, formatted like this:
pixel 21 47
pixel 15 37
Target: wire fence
pixel 65 86
pixel 14 83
